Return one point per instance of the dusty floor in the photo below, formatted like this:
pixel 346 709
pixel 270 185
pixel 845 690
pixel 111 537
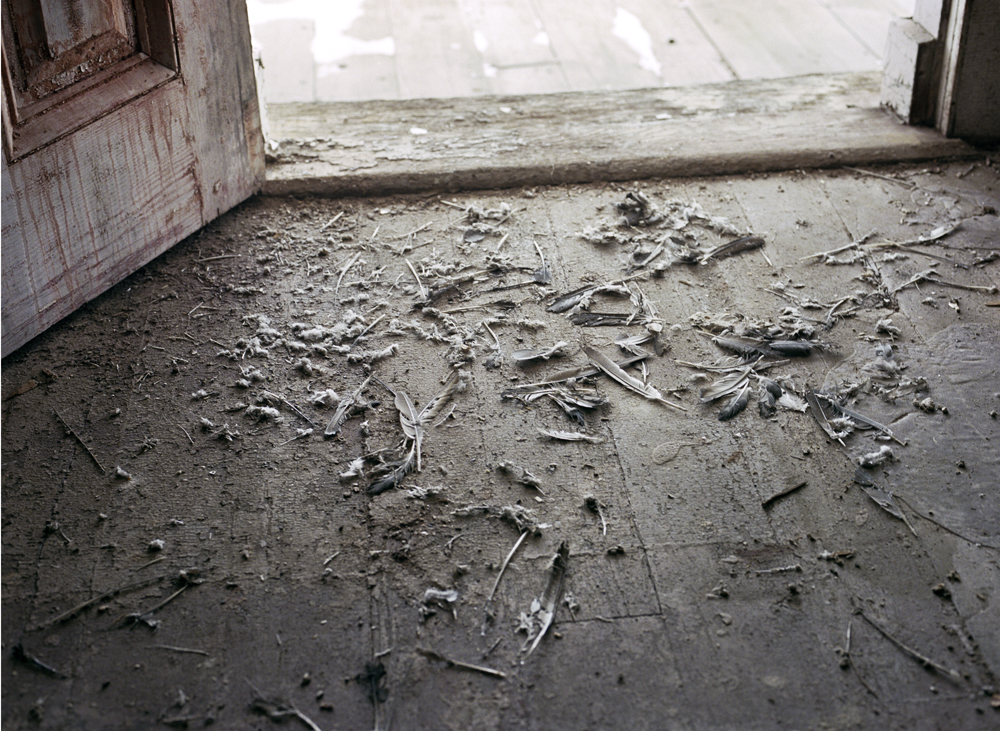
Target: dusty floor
pixel 707 601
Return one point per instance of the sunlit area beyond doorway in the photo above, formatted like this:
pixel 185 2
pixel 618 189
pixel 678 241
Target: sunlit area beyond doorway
pixel 357 50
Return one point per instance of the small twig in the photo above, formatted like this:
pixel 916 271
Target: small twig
pixel 366 331
pixel 464 665
pixel 414 232
pixel 179 649
pixel 424 294
pixel 332 221
pixel 792 487
pixel 942 526
pixel 904 183
pixel 922 659
pixel 492 647
pixel 279 710
pixel 70 613
pixel 24 656
pixel 150 563
pixel 908 247
pixel 290 405
pixel 930 277
pixel 853 244
pixel 166 601
pixel 79 439
pixel 217 258
pixel 186 433
pixel 350 263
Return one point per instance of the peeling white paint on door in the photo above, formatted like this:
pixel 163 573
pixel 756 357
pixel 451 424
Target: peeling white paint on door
pixel 629 28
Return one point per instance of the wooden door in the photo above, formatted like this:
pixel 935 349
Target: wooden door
pixel 127 125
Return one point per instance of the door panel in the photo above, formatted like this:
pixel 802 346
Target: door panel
pixel 137 154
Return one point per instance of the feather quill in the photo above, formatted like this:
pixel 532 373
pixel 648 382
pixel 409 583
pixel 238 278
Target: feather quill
pixel 861 419
pixel 882 498
pixel 600 319
pixel 632 383
pixel 816 409
pixel 746 243
pixel 569 436
pixel 553 592
pixel 526 355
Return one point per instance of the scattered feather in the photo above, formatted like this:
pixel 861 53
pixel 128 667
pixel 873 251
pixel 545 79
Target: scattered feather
pixel 325 398
pixel 726 385
pixel 766 402
pixel 737 403
pixel 340 416
pixel 440 597
pixel 569 436
pixel 790 348
pixel 874 459
pixel 737 246
pixel 520 517
pixel 861 419
pixel 353 471
pixel 816 410
pixel 883 498
pixel 520 475
pixel 397 471
pixel 373 356
pixel 632 383
pixel 793 402
pixel 600 319
pixel 546 605
pixel 526 355
pixel 263 413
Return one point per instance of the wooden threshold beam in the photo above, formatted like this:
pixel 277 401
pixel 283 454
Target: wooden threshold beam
pixel 373 148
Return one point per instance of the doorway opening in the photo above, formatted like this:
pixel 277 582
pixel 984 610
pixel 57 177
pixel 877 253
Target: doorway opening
pixel 361 50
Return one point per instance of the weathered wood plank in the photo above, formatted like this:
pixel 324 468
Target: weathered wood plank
pixel 435 55
pixel 868 21
pixel 817 121
pixel 370 71
pixel 288 59
pixel 909 81
pixel 781 38
pixel 593 57
pixel 507 32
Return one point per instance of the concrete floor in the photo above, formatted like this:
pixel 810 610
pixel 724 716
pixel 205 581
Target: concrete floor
pixel 356 50
pixel 707 603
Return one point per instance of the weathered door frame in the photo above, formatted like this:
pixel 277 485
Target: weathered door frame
pixel 942 68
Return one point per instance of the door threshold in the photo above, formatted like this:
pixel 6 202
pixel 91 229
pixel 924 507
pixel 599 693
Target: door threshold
pixel 470 143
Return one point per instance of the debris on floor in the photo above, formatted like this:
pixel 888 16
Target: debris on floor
pixel 444 393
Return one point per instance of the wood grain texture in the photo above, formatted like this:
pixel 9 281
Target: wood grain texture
pixel 781 38
pixel 592 57
pixel 435 54
pixel 821 121
pixel 90 208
